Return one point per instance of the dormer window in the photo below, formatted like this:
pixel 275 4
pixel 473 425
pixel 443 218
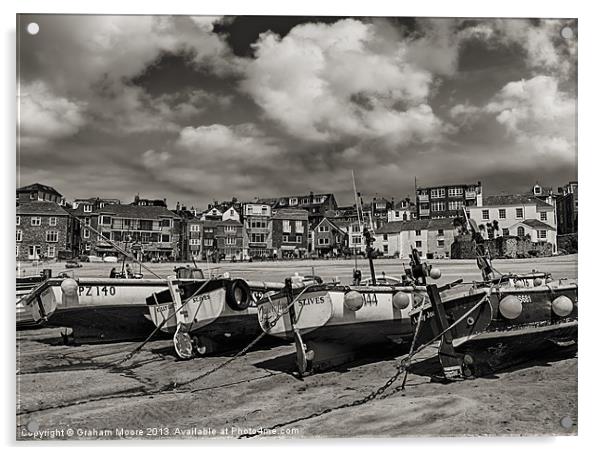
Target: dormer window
pixel 87 208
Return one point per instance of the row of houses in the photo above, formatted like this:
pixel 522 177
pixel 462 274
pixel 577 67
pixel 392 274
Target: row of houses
pixel 286 227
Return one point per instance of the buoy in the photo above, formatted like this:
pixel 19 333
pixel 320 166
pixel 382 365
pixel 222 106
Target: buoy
pixel 562 306
pixel 353 300
pixel 511 307
pixel 401 300
pixel 435 274
pixel 69 287
pixel 537 282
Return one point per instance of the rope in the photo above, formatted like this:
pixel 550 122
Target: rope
pixel 160 326
pixel 245 349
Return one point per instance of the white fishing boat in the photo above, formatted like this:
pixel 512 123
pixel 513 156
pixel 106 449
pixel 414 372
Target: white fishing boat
pixel 207 315
pixel 98 309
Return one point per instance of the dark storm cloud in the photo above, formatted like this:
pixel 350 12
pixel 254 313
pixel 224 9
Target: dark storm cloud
pixel 197 108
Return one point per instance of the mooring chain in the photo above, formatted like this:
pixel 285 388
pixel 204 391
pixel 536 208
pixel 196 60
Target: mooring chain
pixel 243 351
pixel 160 326
pixel 403 365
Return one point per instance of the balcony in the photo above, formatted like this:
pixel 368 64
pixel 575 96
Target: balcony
pixel 423 198
pixel 424 212
pixel 470 194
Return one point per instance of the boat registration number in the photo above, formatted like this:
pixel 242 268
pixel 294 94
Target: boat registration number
pixel 90 291
pixel 370 299
pixel 524 298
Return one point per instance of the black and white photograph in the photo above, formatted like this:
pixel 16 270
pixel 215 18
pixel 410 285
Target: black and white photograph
pixel 294 227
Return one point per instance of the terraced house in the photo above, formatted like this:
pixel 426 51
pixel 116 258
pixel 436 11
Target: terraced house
pixel 44 231
pixel 290 233
pixel 148 232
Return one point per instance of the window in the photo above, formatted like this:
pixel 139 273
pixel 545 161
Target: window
pixel 285 238
pixel 298 238
pixel 195 228
pixel 385 249
pixel 87 248
pixel 385 237
pixel 292 201
pixel 52 236
pixel 208 242
pixel 519 212
pixel 106 220
pixel 520 231
pixel 299 227
pixel 36 221
pixel 52 221
pixel 505 232
pixel 438 192
pixel 418 232
pixel 542 234
pixel 456 191
pixel 258 238
pixel 418 243
pixel 396 213
pixel 18 220
pixel 19 235
pixel 165 238
pixel 87 208
pixel 195 241
pixel 440 232
pixel 87 221
pixel 543 216
pixel 323 228
pixel 230 229
pixel 166 222
pixel 455 205
pixel 438 206
pixel 355 228
pixel 51 251
pixel 230 240
pixel 324 241
pixel 17 251
pixel 208 231
pixel 86 234
pixel 286 226
pixel 34 252
pixel 440 243
pixel 485 214
pixel 502 214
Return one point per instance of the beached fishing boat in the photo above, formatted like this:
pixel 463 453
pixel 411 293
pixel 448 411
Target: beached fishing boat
pixel 495 322
pixel 206 315
pixel 99 309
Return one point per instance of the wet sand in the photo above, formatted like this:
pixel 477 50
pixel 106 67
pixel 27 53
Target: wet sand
pixel 70 392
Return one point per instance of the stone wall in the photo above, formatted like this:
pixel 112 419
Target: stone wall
pixel 508 247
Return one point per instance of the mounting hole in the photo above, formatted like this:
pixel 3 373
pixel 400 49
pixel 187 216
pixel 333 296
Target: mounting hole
pixel 566 32
pixel 566 422
pixel 33 28
pixel 470 321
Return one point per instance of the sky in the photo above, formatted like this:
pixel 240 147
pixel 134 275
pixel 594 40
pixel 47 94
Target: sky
pixel 199 108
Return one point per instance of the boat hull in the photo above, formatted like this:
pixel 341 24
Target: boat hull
pixel 492 337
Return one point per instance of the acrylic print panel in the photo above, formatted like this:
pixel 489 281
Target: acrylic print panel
pixel 256 227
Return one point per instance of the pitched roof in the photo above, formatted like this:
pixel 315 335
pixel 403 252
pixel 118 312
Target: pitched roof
pixel 147 212
pixel 41 208
pixel 290 214
pixel 37 187
pixel 536 224
pixel 514 199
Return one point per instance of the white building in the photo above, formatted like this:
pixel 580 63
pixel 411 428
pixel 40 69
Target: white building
pixel 402 211
pixel 230 214
pixel 517 215
pixel 432 238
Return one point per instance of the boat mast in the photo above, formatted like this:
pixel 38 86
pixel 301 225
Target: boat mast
pixel 366 231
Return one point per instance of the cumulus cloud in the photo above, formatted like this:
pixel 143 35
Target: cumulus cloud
pixel 537 114
pixel 333 82
pixel 44 117
pixel 93 59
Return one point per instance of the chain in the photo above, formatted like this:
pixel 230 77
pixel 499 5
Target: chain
pixel 401 368
pixel 243 351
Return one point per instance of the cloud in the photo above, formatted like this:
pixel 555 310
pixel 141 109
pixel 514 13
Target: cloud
pixel 538 115
pixel 92 60
pixel 44 117
pixel 329 83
